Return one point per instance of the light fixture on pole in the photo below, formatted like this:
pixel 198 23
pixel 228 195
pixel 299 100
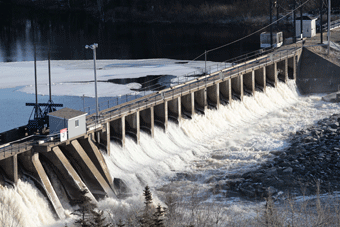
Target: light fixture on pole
pixel 329 26
pixel 93 47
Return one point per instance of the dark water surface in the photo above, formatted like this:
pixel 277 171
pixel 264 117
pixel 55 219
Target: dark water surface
pixel 69 32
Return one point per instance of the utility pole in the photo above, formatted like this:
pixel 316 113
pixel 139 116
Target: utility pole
pixel 93 47
pixel 321 14
pixel 49 72
pixel 36 82
pixel 271 21
pixel 294 21
pixel 329 26
pixel 301 21
pixel 277 13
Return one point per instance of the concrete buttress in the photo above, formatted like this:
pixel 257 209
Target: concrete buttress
pixel 48 186
pixel 83 157
pixel 67 171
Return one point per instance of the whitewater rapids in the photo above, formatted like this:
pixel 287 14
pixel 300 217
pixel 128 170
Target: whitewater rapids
pixel 235 139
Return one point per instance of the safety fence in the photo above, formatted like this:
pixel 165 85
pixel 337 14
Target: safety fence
pixel 238 65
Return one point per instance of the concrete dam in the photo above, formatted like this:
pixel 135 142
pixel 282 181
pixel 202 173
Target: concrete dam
pixel 79 160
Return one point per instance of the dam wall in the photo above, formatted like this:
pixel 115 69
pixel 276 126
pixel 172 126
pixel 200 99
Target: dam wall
pixel 79 163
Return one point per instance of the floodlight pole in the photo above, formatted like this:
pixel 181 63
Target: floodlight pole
pixel 36 82
pixel 329 26
pixel 321 14
pixel 271 21
pixel 93 47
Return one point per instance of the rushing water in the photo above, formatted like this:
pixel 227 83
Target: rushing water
pixel 234 139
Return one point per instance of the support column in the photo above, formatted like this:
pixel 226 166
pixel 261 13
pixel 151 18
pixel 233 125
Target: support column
pixel 249 82
pixel 174 109
pixel 271 74
pixel 201 100
pixel 213 94
pixel 225 91
pixel 260 79
pixel 188 105
pixel 82 156
pixel 105 137
pixel 161 115
pixel 132 126
pixel 10 166
pixel 237 87
pixel 68 173
pixel 286 70
pixel 51 194
pixel 117 129
pixel 294 66
pixel 147 121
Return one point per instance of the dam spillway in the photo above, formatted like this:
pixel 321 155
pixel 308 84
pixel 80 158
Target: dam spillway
pixel 185 100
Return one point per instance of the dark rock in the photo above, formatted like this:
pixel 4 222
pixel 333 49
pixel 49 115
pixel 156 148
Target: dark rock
pixel 287 170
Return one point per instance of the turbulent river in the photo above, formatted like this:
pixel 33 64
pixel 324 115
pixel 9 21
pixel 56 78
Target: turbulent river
pixel 190 156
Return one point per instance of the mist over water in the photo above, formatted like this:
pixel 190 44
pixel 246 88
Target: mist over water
pixel 196 154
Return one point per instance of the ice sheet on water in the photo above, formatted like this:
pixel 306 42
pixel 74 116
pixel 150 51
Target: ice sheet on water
pixel 65 74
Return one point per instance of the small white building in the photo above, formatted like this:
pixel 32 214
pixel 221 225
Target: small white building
pixel 308 26
pixel 265 39
pixel 73 120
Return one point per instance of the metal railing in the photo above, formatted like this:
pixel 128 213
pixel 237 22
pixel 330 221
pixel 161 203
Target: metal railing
pixel 115 101
pixel 333 25
pixel 250 61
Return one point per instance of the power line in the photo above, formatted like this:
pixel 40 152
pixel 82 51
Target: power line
pixel 259 29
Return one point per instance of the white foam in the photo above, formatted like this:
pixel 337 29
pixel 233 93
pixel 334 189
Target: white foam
pixel 234 139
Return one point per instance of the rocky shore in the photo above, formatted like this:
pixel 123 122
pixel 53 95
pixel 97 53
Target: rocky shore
pixel 313 156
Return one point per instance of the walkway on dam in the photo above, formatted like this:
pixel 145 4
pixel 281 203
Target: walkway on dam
pixel 179 90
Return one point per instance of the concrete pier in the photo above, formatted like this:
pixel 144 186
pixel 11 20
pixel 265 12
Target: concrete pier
pixel 260 79
pixel 271 74
pixel 200 100
pixel 51 194
pixel 249 82
pixel 71 179
pixel 161 115
pixel 147 121
pixel 132 126
pixel 237 87
pixel 188 105
pixel 175 110
pixel 225 91
pixel 10 166
pixel 282 69
pixel 213 96
pixel 117 128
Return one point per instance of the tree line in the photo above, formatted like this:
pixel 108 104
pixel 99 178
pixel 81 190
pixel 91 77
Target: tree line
pixel 175 10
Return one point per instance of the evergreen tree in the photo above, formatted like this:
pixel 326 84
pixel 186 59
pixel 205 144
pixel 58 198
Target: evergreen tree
pixel 85 209
pixel 146 220
pixel 120 223
pixel 158 217
pixel 99 219
pixel 148 197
